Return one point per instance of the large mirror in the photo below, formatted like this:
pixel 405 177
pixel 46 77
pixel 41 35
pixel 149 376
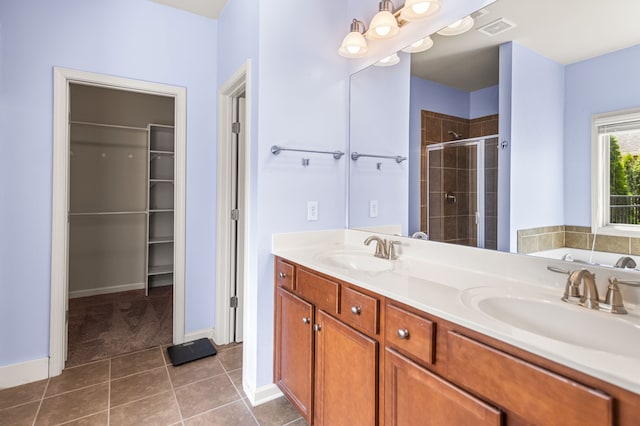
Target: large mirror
pixel 495 125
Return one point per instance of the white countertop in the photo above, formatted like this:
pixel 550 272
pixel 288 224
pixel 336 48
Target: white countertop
pixel 441 279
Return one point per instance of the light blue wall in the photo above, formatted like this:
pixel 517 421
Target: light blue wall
pixel 537 130
pixel 602 84
pixel 483 102
pixel 379 107
pixel 136 39
pixel 504 154
pixel 302 104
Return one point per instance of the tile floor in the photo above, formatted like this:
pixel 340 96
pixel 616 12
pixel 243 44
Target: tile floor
pixel 143 388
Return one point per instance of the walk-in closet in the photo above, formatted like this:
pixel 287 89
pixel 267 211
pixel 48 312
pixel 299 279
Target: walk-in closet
pixel 121 221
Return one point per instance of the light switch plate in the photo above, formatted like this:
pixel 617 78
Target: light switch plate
pixel 373 208
pixel 312 210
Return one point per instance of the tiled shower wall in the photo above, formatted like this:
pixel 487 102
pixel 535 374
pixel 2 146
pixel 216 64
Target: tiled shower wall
pixel 454 222
pixel 551 237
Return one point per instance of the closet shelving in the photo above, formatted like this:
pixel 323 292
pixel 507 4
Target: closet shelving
pixel 160 204
pixel 107 211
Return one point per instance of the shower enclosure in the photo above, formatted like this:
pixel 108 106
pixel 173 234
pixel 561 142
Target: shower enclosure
pixel 462 192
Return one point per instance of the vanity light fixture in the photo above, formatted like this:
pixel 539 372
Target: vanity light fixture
pixel 419 46
pixel 389 61
pixel 354 45
pixel 414 10
pixel 460 26
pixel 384 24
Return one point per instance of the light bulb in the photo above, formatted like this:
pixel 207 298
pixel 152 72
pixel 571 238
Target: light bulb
pixel 353 49
pixel 416 10
pixel 383 31
pixel 421 8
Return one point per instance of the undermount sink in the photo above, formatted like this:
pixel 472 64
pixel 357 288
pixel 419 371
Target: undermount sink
pixel 543 315
pixel 358 261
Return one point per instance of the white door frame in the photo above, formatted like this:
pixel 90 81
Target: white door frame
pixel 233 87
pixel 63 77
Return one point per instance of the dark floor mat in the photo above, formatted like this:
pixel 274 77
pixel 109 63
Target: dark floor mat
pixel 190 351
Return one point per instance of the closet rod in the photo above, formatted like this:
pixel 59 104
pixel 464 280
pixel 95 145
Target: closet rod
pixel 110 126
pixel 275 150
pixel 107 213
pixel 398 158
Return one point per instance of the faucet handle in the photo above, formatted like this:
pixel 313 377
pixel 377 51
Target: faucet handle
pixel 613 300
pixel 392 249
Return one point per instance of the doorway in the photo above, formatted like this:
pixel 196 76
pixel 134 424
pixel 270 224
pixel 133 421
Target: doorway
pixel 233 207
pixel 65 131
pixel 462 186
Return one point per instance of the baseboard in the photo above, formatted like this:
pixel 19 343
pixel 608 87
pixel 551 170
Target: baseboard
pixel 105 290
pixel 24 372
pixel 262 394
pixel 195 335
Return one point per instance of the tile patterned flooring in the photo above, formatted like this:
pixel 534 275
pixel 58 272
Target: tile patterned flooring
pixel 143 388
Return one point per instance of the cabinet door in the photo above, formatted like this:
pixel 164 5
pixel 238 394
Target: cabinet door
pixel 346 391
pixel 413 396
pixel 294 350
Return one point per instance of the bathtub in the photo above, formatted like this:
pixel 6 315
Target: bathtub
pixel 598 258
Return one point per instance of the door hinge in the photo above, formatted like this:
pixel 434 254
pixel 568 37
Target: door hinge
pixel 235 214
pixel 235 128
pixel 66 315
pixel 233 302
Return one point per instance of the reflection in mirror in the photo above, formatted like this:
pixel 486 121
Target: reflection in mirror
pixel 556 71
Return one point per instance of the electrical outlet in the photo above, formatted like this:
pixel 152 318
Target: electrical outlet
pixel 373 208
pixel 312 210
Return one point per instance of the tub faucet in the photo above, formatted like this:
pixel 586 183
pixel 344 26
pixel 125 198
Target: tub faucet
pixel 625 262
pixel 589 296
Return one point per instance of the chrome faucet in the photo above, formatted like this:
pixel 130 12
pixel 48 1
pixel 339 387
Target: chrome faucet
pixel 420 235
pixel 625 262
pixel 589 296
pixel 381 246
pixel 384 249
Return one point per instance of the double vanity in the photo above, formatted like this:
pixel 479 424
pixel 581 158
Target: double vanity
pixel 445 334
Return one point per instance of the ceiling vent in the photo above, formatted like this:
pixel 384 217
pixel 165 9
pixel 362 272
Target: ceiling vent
pixel 496 27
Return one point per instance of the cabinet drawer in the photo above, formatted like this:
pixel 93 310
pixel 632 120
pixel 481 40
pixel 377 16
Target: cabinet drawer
pixel 323 293
pixel 412 392
pixel 535 394
pixel 284 274
pixel 360 310
pixel 410 334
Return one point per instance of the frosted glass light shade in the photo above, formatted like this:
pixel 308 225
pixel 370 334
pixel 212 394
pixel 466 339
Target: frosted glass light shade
pixel 415 10
pixel 419 46
pixel 388 61
pixel 460 26
pixel 383 25
pixel 353 46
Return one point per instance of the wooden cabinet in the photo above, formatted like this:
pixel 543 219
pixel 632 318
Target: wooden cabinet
pixel 346 388
pixel 325 367
pixel 526 390
pixel 294 350
pixel 372 360
pixel 414 395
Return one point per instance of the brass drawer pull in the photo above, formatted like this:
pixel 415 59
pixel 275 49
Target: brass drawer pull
pixel 356 310
pixel 282 275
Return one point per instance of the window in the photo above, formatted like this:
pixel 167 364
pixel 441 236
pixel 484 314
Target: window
pixel 616 173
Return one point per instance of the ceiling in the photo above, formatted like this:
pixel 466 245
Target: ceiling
pixel 208 8
pixel 565 31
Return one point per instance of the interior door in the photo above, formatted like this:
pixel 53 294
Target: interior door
pixel 238 222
